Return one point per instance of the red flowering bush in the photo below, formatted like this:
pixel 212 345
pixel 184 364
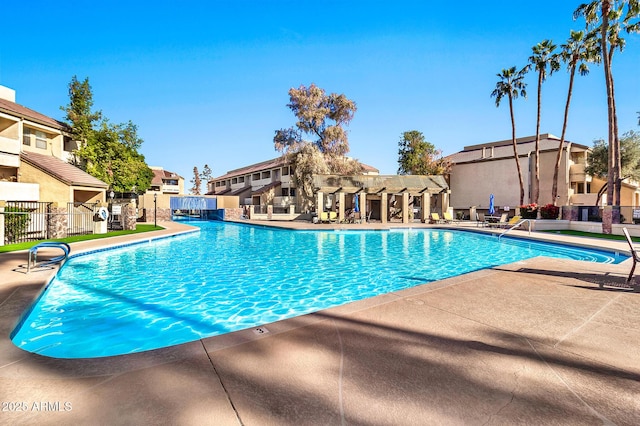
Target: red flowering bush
pixel 529 211
pixel 549 211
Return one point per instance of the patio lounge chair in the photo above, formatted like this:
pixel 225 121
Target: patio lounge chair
pixel 635 256
pixel 513 221
pixel 435 218
pixel 324 217
pixel 501 222
pixel 448 218
pixel 333 216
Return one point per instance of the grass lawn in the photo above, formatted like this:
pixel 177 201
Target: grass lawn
pixel 592 235
pixel 24 246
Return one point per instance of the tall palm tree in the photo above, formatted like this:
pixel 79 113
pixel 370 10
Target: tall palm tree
pixel 511 84
pixel 607 18
pixel 542 58
pixel 575 53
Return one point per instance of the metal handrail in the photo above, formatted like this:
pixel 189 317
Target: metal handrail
pixel 515 226
pixel 33 253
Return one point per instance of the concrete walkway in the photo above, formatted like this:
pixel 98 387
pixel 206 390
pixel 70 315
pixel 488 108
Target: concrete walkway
pixel 535 342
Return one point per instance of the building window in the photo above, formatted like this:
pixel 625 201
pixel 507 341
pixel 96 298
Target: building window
pixel 292 192
pixel 26 137
pixel 41 140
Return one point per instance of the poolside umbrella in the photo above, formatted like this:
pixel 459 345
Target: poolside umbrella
pixel 356 204
pixel 492 209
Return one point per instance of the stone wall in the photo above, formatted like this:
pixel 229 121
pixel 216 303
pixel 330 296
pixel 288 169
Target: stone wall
pixel 129 217
pixel 163 215
pixel 58 222
pixel 233 214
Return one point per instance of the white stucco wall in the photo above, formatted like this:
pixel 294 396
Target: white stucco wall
pixel 473 183
pixel 13 191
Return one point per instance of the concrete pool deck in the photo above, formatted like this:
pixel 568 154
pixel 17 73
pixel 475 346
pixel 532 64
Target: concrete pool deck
pixel 534 342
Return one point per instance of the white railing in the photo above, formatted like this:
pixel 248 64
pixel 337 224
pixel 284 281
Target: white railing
pixel 516 226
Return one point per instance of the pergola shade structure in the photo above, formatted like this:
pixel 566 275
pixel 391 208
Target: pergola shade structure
pixel 379 195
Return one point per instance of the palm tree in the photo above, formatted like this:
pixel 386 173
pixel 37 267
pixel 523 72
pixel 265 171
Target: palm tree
pixel 575 53
pixel 609 15
pixel 511 84
pixel 542 57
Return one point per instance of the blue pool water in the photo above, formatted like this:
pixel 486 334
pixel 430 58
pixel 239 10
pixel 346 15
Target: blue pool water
pixel 229 277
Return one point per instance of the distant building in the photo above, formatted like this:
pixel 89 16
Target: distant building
pixel 166 182
pixel 268 182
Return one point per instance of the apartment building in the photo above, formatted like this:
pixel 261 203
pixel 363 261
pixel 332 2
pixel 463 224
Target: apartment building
pixel 268 182
pixel 480 170
pixel 34 154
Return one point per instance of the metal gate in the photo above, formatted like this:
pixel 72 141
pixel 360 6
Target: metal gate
pixel 26 221
pixel 80 218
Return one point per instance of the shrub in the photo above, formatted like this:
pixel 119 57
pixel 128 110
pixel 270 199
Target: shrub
pixel 15 225
pixel 529 211
pixel 549 211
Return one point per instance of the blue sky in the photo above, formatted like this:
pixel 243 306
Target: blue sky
pixel 206 81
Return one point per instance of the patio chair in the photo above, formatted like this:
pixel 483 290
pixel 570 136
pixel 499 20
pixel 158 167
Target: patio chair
pixel 513 221
pixel 435 218
pixel 324 217
pixel 500 223
pixel 357 217
pixel 635 256
pixel 481 220
pixel 333 217
pixel 448 218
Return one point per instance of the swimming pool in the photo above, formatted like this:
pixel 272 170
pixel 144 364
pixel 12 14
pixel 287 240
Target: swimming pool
pixel 229 277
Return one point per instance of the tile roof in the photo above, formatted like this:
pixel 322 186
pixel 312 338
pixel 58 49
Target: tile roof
pixel 18 110
pixel 160 174
pixel 61 170
pixel 271 164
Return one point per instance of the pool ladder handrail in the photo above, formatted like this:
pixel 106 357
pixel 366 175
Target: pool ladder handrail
pixel 33 253
pixel 516 226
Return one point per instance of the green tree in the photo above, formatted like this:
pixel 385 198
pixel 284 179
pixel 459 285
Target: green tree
pixel 629 158
pixel 107 158
pixel 205 176
pixel 416 156
pixel 106 151
pixel 543 56
pixel 195 181
pixel 322 118
pixel 79 113
pixel 606 19
pixel 512 85
pixel 576 52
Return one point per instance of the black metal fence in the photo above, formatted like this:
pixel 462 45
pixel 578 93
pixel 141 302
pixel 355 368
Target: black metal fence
pixel 80 218
pixel 26 221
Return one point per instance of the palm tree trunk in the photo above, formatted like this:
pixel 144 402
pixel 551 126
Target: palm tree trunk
pixel 554 188
pixel 616 138
pixel 605 8
pixel 515 149
pixel 536 179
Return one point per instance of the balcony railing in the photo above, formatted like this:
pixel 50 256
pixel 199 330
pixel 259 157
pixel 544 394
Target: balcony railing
pixel 10 146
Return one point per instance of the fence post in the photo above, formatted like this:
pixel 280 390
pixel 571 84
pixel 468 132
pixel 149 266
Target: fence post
pixel 2 204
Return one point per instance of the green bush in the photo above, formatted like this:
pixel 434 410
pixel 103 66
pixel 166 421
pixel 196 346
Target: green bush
pixel 15 225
